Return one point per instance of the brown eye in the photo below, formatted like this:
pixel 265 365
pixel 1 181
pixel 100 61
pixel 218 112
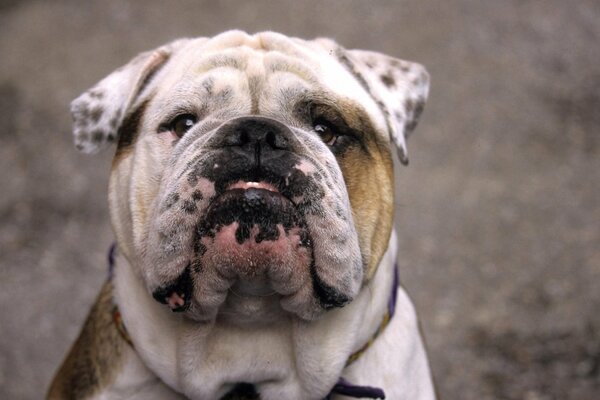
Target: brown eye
pixel 326 133
pixel 181 124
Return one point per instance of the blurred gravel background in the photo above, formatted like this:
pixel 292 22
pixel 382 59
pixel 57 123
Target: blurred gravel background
pixel 498 213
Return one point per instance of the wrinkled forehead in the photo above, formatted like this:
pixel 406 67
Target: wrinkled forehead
pixel 271 62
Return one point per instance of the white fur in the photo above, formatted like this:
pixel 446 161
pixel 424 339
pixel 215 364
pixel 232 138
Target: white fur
pixel 288 360
pixel 284 357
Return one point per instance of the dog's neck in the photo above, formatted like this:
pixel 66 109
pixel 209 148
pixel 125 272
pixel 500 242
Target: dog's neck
pixel 283 356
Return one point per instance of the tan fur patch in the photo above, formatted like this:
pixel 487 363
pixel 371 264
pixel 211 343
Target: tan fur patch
pixel 96 357
pixel 370 182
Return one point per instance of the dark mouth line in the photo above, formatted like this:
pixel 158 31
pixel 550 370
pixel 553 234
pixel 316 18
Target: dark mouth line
pixel 328 296
pixel 276 184
pixel 183 286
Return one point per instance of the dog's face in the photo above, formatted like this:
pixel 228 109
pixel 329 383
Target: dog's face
pixel 258 165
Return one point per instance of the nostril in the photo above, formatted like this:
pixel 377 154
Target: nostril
pixel 271 140
pixel 243 137
pixel 242 391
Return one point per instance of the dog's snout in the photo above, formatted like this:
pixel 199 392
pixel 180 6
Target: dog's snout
pixel 258 138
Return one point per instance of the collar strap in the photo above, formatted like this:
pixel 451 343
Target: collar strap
pixel 116 314
pixel 345 388
pixel 342 387
pixel 391 309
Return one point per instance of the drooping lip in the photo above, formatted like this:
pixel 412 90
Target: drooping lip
pixel 250 202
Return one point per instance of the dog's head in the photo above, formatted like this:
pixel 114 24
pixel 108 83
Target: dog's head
pixel 258 162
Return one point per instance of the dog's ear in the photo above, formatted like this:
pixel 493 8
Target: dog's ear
pixel 98 112
pixel 399 87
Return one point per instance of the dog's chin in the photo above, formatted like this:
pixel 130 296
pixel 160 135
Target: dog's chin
pixel 252 261
pixel 252 302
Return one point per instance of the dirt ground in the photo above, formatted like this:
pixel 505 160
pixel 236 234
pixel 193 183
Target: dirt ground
pixel 498 212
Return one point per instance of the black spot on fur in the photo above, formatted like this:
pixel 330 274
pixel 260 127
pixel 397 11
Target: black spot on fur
pixel 189 206
pixel 305 239
pixel 388 80
pixel 96 93
pixel 192 178
pixel 197 266
pixel 242 233
pixel 269 232
pixel 172 198
pixel 199 248
pixel 113 122
pixel 197 195
pixel 96 113
pixel 84 111
pixel 97 135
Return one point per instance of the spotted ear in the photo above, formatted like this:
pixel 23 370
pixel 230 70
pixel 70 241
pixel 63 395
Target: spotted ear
pixel 99 112
pixel 399 87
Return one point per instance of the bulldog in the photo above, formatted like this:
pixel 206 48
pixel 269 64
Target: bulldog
pixel 252 199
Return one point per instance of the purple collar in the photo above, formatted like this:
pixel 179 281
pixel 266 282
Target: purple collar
pixel 345 388
pixel 342 387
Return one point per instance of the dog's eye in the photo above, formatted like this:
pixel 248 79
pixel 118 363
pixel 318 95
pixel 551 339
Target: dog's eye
pixel 181 124
pixel 326 133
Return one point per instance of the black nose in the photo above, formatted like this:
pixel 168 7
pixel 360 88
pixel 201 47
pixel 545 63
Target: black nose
pixel 258 138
